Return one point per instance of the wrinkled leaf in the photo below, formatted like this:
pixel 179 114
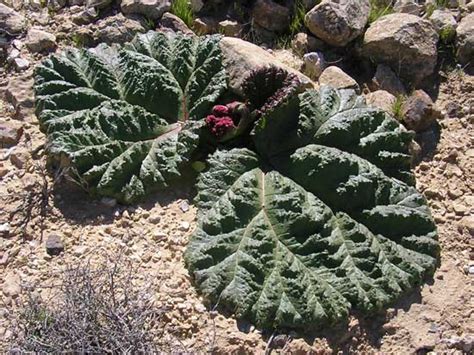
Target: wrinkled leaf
pixel 123 117
pixel 314 224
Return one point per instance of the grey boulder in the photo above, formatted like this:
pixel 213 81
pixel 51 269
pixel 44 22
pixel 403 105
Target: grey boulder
pixel 407 43
pixel 338 22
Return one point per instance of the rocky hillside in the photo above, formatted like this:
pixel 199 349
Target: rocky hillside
pixel 412 59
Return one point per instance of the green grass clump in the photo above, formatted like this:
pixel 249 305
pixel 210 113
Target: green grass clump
pixel 297 20
pixel 182 9
pixel 398 107
pixel 447 34
pixel 438 4
pixel 377 10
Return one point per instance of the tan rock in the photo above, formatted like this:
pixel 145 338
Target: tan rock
pixel 338 22
pixel 241 57
pixel 335 77
pixel 381 99
pixel 407 43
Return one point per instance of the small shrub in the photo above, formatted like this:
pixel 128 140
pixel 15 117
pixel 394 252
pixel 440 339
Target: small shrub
pixel 93 310
pixel 182 9
pixel 398 106
pixel 447 34
pixel 377 10
pixel 297 20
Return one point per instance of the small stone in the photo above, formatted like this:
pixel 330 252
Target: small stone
pixel 19 157
pixel 271 15
pixel 197 5
pixel 443 20
pixel 314 64
pixel 54 245
pixel 465 39
pixel 10 133
pixel 153 9
pixel 230 28
pixel 385 79
pixel 408 7
pixel 419 112
pixel 108 202
pixel 86 16
pixel 21 64
pixel 11 21
pixel 335 77
pixel 39 41
pixel 184 206
pixel 5 230
pixel 174 23
pixel 205 25
pixel 184 227
pixel 12 285
pixel 468 223
pixel 303 43
pixel 381 99
pixel 20 94
pixel 14 53
pixel 154 219
pixel 80 250
pixel 158 235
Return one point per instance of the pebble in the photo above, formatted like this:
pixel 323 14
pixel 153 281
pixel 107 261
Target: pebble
pixel 184 227
pixel 12 285
pixel 54 245
pixel 184 206
pixel 159 235
pixel 4 230
pixel 154 219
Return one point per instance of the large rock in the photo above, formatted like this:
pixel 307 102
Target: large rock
pixel 152 9
pixel 20 94
pixel 381 99
pixel 39 41
pixel 241 57
pixel 385 79
pixel 11 21
pixel 337 22
pixel 407 43
pixel 174 23
pixel 443 19
pixel 408 7
pixel 117 29
pixel 419 112
pixel 335 77
pixel 465 40
pixel 271 15
pixel 10 133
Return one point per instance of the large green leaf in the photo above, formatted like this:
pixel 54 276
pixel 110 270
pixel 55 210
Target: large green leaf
pixel 127 118
pixel 340 119
pixel 315 223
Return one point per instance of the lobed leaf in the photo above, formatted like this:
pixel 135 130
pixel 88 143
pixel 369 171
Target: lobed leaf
pixel 316 222
pixel 123 116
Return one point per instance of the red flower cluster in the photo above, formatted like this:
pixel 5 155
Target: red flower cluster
pixel 220 121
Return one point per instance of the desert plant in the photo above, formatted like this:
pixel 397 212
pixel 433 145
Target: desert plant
pixel 397 107
pixel 314 219
pixel 128 119
pixel 307 209
pixel 93 310
pixel 183 9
